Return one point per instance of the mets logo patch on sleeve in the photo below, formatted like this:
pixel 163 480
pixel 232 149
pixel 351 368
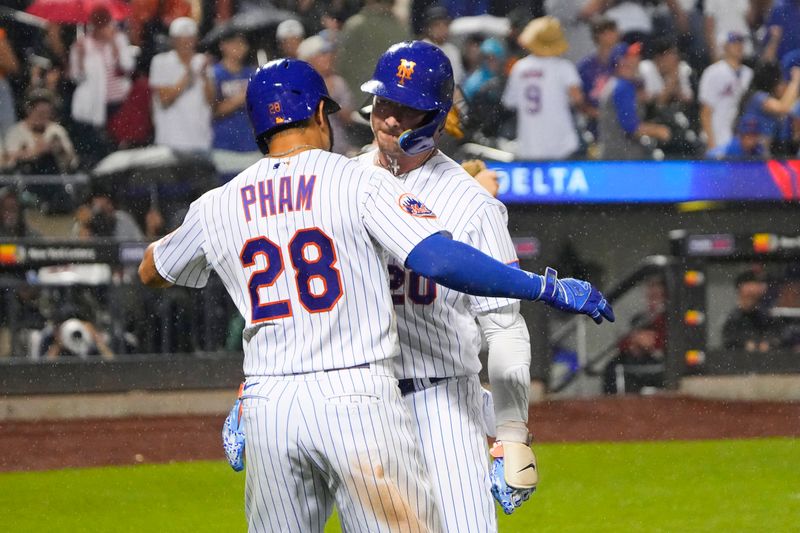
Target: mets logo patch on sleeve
pixel 412 206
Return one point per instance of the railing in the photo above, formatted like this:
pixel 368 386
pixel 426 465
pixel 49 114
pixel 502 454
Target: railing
pixel 44 283
pixel 578 327
pixel 57 193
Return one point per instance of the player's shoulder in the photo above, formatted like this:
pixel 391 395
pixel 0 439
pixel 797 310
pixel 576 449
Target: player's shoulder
pixel 458 185
pixel 366 156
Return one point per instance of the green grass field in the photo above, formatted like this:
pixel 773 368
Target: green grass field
pixel 742 485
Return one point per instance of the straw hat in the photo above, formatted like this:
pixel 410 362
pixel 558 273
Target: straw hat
pixel 543 36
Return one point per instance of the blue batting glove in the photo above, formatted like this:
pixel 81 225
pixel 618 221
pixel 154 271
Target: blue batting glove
pixel 509 498
pixel 233 436
pixel 575 296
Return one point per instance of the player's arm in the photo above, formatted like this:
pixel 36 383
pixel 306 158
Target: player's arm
pixel 514 474
pixel 409 231
pixel 178 258
pixel 148 272
pixel 465 269
pixel 509 370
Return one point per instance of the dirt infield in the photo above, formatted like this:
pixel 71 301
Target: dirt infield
pixel 80 443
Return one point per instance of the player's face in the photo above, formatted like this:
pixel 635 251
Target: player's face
pixel 389 120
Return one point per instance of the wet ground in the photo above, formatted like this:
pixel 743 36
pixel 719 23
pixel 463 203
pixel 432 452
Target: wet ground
pixel 79 443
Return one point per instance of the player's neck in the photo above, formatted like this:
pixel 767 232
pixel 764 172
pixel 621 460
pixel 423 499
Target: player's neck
pixel 404 163
pixel 290 143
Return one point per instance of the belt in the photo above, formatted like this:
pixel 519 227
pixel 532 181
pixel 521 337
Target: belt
pixel 362 365
pixel 409 385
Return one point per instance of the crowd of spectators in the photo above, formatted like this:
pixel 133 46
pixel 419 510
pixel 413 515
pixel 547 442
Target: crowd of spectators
pixel 613 79
pixel 546 79
pixel 765 316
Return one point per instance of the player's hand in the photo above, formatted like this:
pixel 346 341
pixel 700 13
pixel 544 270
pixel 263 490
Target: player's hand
pixel 514 474
pixel 575 296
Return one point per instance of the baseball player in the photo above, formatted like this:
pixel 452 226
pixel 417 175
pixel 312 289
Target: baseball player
pixel 298 240
pixel 439 338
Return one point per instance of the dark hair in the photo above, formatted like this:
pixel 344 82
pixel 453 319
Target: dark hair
pixel 99 17
pixel 20 228
pixel 600 25
pixel 435 13
pixel 661 46
pixel 766 77
pixel 232 33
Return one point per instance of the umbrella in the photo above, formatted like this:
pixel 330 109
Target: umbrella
pixel 247 22
pixel 137 158
pixel 76 11
pixel 144 177
pixel 487 25
pixel 8 14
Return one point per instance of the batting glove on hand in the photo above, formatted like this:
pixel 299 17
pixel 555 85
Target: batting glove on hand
pixel 233 436
pixel 575 296
pixel 513 474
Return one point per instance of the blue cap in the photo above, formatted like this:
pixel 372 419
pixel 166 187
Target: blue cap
pixel 415 74
pixel 493 47
pixel 727 37
pixel 748 125
pixel 622 50
pixel 285 91
pixel 418 75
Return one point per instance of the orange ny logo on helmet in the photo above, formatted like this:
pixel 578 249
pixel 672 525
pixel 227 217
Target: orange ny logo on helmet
pixel 405 70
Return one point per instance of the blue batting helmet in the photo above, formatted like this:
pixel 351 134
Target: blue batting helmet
pixel 417 75
pixel 285 91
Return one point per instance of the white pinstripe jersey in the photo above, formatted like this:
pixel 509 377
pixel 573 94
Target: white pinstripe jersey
pixel 299 244
pixel 438 333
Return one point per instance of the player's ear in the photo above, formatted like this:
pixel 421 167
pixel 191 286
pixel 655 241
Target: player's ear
pixel 319 116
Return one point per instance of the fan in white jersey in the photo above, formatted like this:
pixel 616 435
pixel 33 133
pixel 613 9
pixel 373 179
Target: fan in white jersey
pixel 721 87
pixel 298 240
pixel 439 337
pixel 542 88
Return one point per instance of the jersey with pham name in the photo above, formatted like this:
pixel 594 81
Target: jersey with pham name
pixel 439 336
pixel 299 244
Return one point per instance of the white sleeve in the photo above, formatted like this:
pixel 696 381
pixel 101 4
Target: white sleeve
pixel 160 74
pixel 705 92
pixel 76 70
pixel 747 77
pixel 488 232
pixel 15 139
pixel 511 94
pixel 685 73
pixel 180 257
pixel 509 370
pixel 394 217
pixel 127 61
pixel 570 75
pixel 651 78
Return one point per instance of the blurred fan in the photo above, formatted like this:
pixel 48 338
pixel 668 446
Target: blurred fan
pixel 76 11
